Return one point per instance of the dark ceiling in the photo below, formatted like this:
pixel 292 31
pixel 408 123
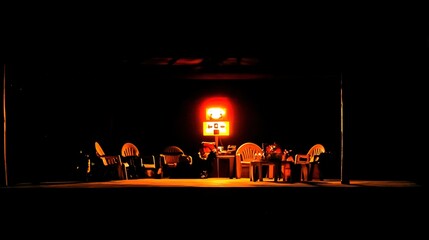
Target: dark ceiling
pixel 280 38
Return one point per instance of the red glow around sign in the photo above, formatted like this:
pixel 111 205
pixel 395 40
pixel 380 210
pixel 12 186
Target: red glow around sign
pixel 215 109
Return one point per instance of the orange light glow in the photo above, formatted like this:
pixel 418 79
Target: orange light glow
pixel 216 109
pixel 216 128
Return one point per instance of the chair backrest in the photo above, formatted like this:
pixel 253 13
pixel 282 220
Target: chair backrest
pixel 172 150
pixel 100 153
pixel 98 150
pixel 315 152
pixel 172 155
pixel 129 150
pixel 247 152
pixel 107 160
pixel 113 163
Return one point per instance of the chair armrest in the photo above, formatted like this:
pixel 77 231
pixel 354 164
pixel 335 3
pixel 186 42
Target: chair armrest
pixel 201 156
pixel 148 162
pixel 110 159
pixel 315 158
pixel 302 159
pixel 162 160
pixel 187 158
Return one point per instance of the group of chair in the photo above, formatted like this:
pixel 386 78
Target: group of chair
pixel 249 156
pixel 130 163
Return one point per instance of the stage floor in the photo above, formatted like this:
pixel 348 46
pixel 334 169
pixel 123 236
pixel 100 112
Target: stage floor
pixel 214 201
pixel 219 183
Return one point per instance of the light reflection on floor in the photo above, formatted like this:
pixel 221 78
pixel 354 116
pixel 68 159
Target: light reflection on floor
pixel 217 183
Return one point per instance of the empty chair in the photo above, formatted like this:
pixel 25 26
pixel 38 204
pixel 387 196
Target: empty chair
pixel 308 160
pixel 112 169
pixel 151 167
pixel 244 155
pixel 131 155
pixel 175 162
pixel 139 165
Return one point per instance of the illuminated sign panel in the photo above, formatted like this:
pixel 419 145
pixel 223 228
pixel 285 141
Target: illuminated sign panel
pixel 215 114
pixel 216 128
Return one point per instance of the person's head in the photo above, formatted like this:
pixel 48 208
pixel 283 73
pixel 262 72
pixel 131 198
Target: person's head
pixel 206 148
pixel 273 148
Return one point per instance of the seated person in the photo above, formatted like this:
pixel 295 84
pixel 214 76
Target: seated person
pixel 207 154
pixel 273 150
pixel 274 153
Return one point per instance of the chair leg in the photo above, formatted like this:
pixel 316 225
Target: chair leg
pixel 271 169
pixel 160 172
pixel 304 172
pixel 315 172
pixel 125 172
pixel 286 172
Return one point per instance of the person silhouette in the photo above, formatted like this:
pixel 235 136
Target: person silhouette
pixel 207 154
pixel 274 154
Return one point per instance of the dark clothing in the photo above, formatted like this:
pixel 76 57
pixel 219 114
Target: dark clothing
pixel 206 164
pixel 206 157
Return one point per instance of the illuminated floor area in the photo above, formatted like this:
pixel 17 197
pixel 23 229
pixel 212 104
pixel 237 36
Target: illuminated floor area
pixel 218 189
pixel 219 183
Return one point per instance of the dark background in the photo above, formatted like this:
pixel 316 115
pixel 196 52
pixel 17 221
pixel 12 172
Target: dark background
pixel 73 80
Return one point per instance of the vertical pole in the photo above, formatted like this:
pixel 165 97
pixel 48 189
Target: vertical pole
pixel 4 125
pixel 344 176
pixel 217 159
pixel 216 141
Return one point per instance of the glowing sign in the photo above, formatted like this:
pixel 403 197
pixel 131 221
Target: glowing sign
pixel 216 128
pixel 215 113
